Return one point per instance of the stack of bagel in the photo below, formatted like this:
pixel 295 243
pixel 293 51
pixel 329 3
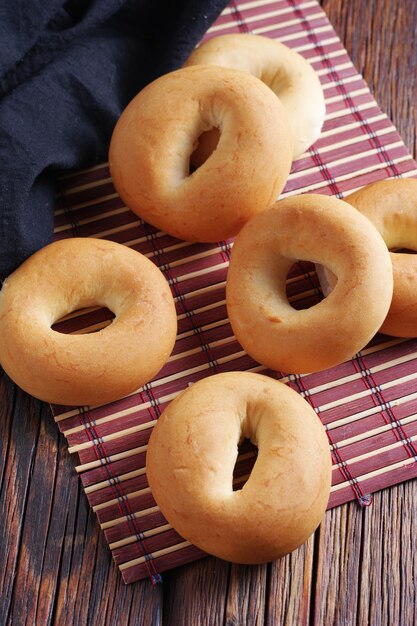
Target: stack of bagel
pixel 203 153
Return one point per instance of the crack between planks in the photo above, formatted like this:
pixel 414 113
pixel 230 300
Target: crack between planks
pixel 12 406
pixel 314 569
pixel 266 589
pixel 129 613
pixel 229 575
pixel 360 572
pixel 267 592
pixel 11 413
pixel 77 508
pixel 59 570
pixel 90 613
pixel 71 555
pixel 85 535
pixel 164 602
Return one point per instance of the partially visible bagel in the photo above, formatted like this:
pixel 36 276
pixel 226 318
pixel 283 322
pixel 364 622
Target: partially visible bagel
pixel 287 73
pixel 391 206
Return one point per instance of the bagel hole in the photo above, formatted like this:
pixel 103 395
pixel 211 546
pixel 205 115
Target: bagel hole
pixel 84 321
pixel 403 250
pixel 303 288
pixel 205 146
pixel 246 457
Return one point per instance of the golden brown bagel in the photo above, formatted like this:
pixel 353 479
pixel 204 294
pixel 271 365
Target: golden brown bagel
pixel 192 453
pixel 156 134
pixel 391 205
pixel 286 72
pixel 314 228
pixel 89 368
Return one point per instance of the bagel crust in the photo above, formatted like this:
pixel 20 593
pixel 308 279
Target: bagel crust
pixel 287 73
pixel 391 205
pixel 158 131
pixel 90 368
pixel 191 456
pixel 323 230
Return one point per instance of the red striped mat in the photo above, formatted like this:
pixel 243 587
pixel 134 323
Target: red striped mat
pixel 369 404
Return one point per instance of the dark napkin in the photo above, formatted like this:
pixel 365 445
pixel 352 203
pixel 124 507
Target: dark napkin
pixel 67 70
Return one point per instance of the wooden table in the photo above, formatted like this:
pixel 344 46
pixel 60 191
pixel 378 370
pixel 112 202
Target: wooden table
pixel 359 568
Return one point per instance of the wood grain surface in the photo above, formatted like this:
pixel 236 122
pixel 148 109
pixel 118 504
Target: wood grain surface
pixel 359 568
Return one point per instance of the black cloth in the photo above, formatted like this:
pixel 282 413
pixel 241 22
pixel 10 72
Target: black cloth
pixel 67 70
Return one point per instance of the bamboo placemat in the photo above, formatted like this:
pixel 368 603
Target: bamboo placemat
pixel 368 404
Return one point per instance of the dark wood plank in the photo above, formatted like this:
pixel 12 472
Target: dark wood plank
pixel 366 565
pixel 246 595
pixel 35 582
pixel 196 593
pixel 380 36
pixel 20 427
pixel 389 559
pixel 55 566
pixel 289 590
pixel 338 565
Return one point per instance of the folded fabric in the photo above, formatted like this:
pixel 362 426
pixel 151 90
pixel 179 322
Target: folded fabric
pixel 67 70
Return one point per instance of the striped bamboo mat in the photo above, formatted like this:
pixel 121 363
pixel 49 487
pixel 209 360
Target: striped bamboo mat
pixel 368 404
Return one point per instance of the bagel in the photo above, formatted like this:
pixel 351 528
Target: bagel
pixel 313 228
pixel 90 368
pixel 192 452
pixel 156 134
pixel 391 205
pixel 287 73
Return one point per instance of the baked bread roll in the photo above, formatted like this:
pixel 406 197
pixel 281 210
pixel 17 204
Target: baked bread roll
pixel 192 452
